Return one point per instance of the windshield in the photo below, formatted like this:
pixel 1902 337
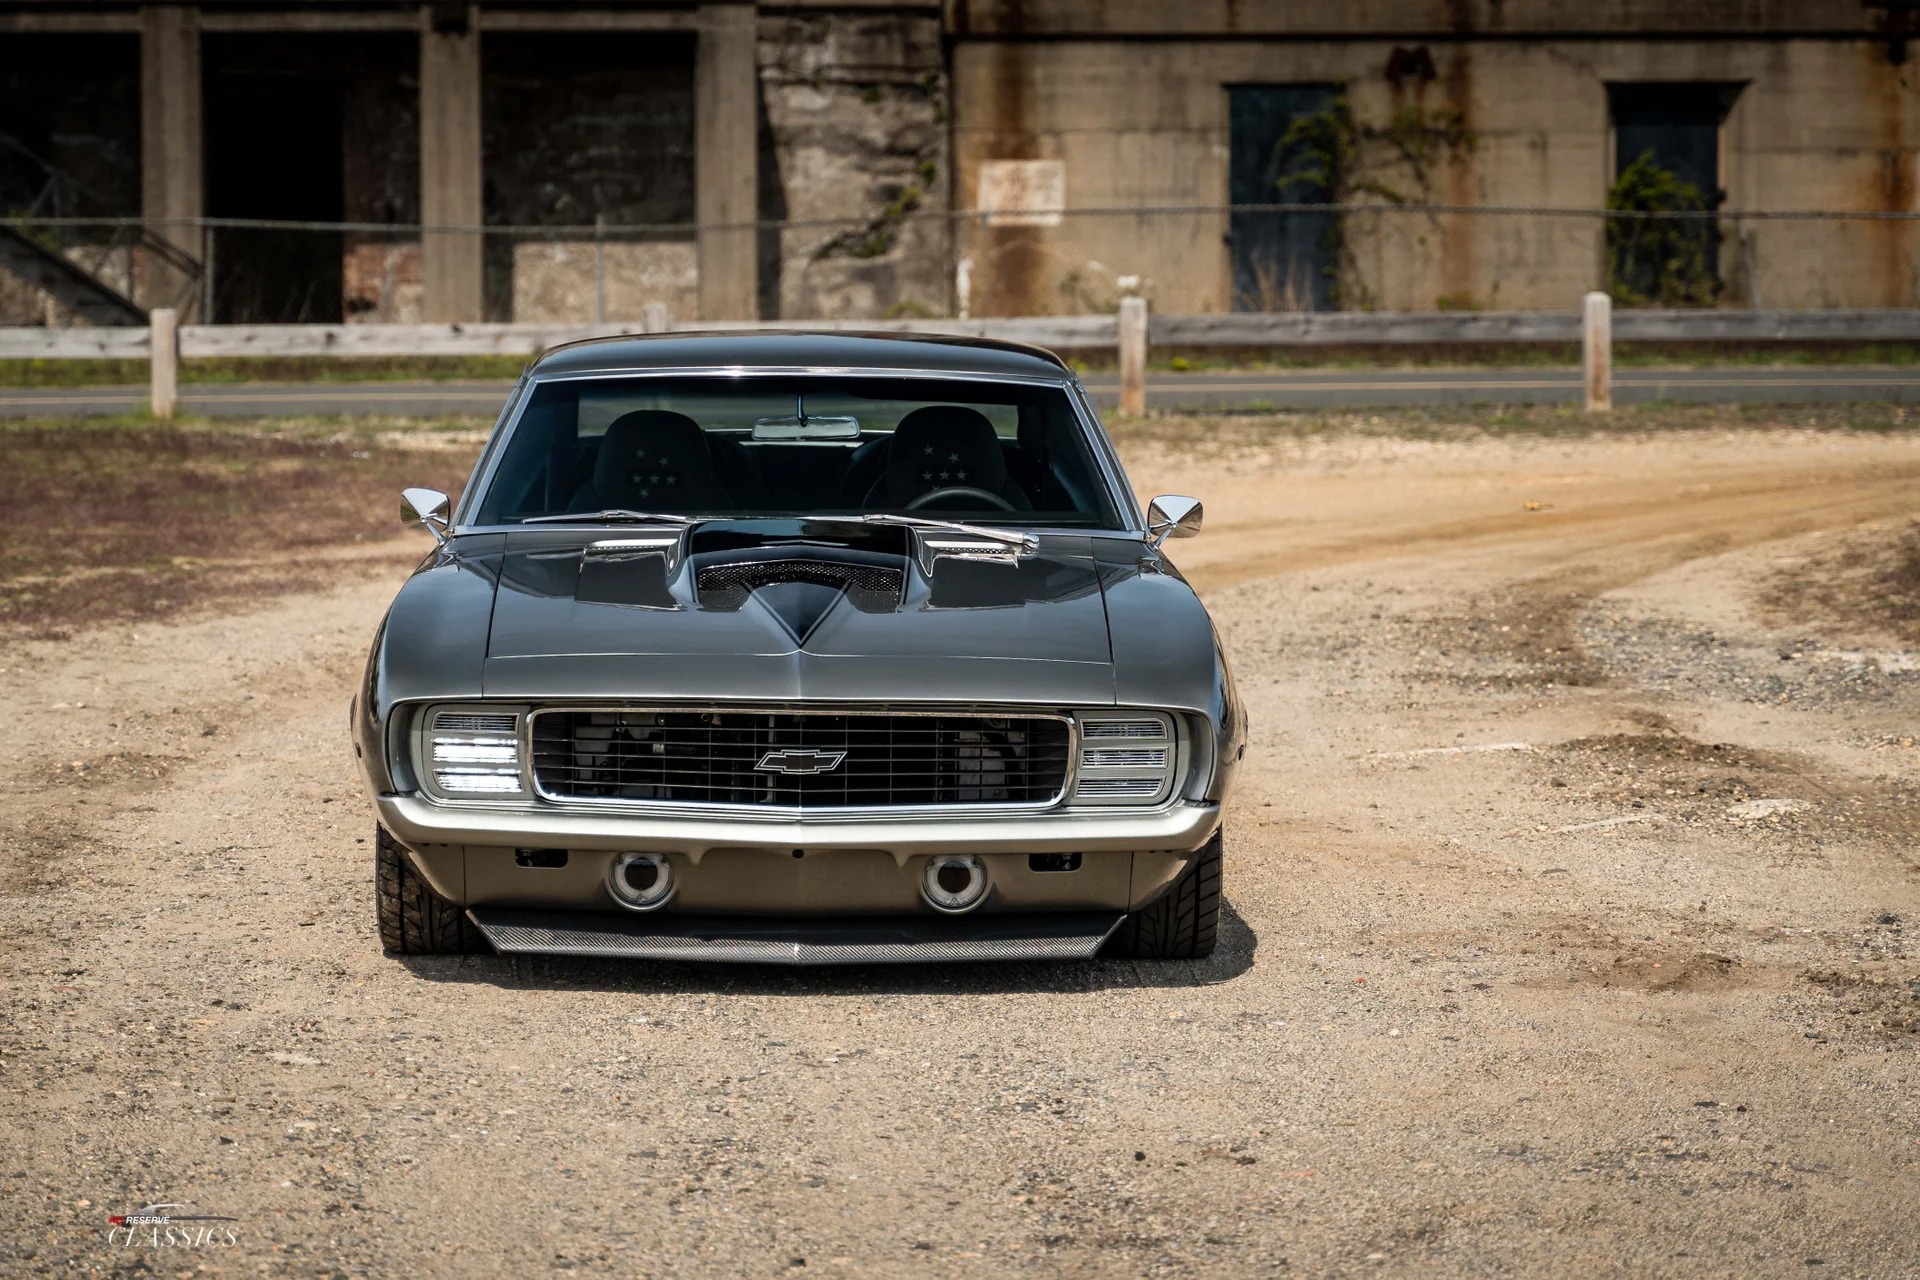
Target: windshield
pixel 799 446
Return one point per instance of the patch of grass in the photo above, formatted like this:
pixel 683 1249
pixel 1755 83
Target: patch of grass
pixel 242 369
pixel 1535 355
pixel 1870 582
pixel 116 519
pixel 1456 422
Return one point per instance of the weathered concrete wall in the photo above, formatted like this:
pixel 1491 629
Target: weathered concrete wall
pixel 1820 124
pixel 1405 19
pixel 855 128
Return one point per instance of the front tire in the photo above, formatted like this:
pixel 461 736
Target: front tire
pixel 414 920
pixel 1184 922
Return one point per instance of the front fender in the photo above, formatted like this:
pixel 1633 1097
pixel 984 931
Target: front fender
pixel 431 644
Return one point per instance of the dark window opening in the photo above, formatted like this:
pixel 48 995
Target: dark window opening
pixel 1666 158
pixel 1281 261
pixel 283 114
pixel 70 126
pixel 69 148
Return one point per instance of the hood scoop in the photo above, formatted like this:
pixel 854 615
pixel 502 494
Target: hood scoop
pixel 800 586
pixel 798 606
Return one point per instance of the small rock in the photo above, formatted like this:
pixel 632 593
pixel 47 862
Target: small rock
pixel 1756 810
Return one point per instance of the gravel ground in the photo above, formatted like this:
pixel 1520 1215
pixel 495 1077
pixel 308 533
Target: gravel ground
pixel 1568 931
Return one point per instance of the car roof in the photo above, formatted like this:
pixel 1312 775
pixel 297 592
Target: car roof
pixel 797 349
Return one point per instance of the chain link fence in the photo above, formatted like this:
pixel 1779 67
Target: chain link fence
pixel 913 264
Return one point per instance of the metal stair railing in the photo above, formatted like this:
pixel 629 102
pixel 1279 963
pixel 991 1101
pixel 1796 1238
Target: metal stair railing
pixel 79 271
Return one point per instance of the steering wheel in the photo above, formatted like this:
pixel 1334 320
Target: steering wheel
pixel 932 496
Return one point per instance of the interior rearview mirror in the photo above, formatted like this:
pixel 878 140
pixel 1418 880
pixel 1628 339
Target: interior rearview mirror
pixel 425 509
pixel 1172 516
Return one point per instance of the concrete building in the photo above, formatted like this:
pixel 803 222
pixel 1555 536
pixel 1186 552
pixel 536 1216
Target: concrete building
pixel 860 125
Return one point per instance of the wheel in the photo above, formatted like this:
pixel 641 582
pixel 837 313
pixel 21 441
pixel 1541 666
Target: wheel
pixel 1183 923
pixel 414 920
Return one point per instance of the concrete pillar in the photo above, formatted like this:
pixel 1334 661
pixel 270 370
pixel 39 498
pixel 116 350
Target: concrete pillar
pixel 451 262
pixel 726 82
pixel 172 163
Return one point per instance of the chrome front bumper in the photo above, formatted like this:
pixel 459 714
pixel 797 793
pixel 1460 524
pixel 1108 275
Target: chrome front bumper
pixel 1179 828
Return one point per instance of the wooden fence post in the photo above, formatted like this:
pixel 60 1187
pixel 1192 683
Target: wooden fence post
pixel 163 356
pixel 1596 333
pixel 1133 355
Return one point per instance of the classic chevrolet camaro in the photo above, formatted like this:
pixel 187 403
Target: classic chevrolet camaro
pixel 804 648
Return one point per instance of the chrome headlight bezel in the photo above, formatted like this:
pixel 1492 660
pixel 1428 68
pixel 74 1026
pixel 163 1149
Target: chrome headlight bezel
pixel 481 743
pixel 1125 756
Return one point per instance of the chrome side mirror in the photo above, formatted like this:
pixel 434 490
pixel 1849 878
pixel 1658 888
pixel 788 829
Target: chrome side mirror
pixel 1172 516
pixel 425 509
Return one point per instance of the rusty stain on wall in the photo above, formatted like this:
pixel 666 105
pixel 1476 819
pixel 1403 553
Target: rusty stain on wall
pixel 1891 184
pixel 1459 274
pixel 1015 257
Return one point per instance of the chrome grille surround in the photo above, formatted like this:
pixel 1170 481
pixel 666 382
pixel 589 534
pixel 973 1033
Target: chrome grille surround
pixel 710 758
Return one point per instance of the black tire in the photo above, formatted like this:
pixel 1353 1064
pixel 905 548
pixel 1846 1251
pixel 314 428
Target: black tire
pixel 1183 923
pixel 414 920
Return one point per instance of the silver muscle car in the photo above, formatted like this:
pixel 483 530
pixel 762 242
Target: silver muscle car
pixel 800 648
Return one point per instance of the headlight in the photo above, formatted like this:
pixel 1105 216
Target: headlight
pixel 1126 757
pixel 471 752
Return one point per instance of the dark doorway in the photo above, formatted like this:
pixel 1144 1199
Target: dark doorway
pixel 70 126
pixel 1281 261
pixel 276 112
pixel 578 127
pixel 1667 156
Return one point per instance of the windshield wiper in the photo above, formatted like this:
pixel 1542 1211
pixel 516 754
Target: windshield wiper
pixel 613 515
pixel 1024 543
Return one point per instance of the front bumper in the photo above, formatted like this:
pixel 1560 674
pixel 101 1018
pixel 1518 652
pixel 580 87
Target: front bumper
pixel 819 868
pixel 1179 828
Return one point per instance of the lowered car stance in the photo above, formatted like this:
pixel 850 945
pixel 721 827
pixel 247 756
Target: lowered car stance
pixel 803 649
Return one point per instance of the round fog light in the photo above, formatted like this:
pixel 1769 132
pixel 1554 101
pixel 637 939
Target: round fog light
pixel 955 884
pixel 641 881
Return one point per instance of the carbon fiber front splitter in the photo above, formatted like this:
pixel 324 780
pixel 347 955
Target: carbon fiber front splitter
pixel 797 941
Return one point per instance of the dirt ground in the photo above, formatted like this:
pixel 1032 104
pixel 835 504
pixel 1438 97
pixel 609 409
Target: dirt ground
pixel 1572 882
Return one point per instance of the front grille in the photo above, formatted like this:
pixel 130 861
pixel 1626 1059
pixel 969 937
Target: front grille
pixel 833 760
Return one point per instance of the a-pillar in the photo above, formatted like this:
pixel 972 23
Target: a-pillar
pixel 451 262
pixel 726 120
pixel 172 164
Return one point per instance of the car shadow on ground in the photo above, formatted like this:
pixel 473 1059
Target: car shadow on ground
pixel 1232 957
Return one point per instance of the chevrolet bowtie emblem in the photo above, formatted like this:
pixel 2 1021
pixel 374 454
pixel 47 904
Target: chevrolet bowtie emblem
pixel 800 760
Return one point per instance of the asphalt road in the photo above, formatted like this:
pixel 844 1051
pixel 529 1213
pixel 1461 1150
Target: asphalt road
pixel 1331 388
pixel 1346 388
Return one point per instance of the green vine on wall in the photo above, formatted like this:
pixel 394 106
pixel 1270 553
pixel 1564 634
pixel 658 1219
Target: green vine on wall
pixel 1660 262
pixel 1337 157
pixel 879 235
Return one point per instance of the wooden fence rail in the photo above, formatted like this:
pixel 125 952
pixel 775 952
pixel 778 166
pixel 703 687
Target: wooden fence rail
pixel 1242 329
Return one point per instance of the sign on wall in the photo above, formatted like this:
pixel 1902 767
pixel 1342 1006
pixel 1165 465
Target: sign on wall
pixel 1022 193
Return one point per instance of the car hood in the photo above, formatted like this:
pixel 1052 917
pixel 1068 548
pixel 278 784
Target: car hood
pixel 781 609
